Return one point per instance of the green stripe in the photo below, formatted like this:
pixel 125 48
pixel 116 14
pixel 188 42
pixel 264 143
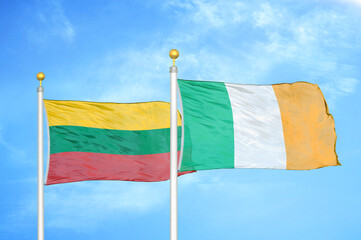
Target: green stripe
pixel 97 140
pixel 208 126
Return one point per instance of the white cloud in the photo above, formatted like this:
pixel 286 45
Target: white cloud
pixel 210 13
pixel 313 44
pixel 352 2
pixel 278 36
pixel 348 85
pixel 339 87
pixel 267 16
pixel 308 41
pixel 52 22
pixel 135 75
pixel 82 206
pixel 85 204
pixel 305 40
pixel 124 75
pixel 13 151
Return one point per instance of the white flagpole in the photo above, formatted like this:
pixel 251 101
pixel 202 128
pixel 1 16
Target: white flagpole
pixel 173 148
pixel 40 76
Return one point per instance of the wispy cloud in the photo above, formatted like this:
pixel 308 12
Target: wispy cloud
pixel 209 13
pixel 52 21
pixel 83 205
pixel 310 45
pixel 356 3
pixel 264 37
pixel 339 87
pixel 136 75
pixel 13 151
pixel 314 45
pixel 267 16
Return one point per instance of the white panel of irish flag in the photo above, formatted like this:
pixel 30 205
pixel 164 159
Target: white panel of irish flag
pixel 282 126
pixel 257 124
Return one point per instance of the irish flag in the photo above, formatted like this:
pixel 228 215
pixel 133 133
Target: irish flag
pixel 283 126
pixel 108 141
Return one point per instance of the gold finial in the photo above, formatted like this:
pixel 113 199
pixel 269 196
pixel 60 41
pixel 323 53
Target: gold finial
pixel 40 76
pixel 173 54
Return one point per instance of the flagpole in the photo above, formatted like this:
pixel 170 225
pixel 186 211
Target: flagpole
pixel 40 76
pixel 173 148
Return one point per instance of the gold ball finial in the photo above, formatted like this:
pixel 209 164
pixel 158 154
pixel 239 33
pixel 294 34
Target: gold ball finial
pixel 40 76
pixel 173 54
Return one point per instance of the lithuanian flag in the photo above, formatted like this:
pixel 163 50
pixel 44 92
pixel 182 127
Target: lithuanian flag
pixel 108 141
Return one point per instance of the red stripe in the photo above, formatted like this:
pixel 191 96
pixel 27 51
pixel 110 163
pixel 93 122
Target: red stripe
pixel 81 166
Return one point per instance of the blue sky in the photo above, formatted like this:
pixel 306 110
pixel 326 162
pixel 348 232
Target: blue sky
pixel 118 51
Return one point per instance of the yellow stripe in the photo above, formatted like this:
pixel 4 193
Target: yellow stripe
pixel 308 128
pixel 121 116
